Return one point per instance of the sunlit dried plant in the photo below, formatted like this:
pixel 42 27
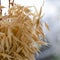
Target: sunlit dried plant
pixel 20 33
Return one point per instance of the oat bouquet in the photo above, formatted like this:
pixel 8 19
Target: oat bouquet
pixel 20 33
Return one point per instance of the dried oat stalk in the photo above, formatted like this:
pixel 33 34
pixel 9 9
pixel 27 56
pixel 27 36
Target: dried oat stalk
pixel 19 34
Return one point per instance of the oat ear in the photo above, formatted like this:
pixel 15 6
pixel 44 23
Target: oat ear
pixel 46 25
pixel 40 12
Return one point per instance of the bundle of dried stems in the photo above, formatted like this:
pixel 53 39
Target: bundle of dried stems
pixel 20 34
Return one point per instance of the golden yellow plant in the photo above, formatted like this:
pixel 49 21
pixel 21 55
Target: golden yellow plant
pixel 20 33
